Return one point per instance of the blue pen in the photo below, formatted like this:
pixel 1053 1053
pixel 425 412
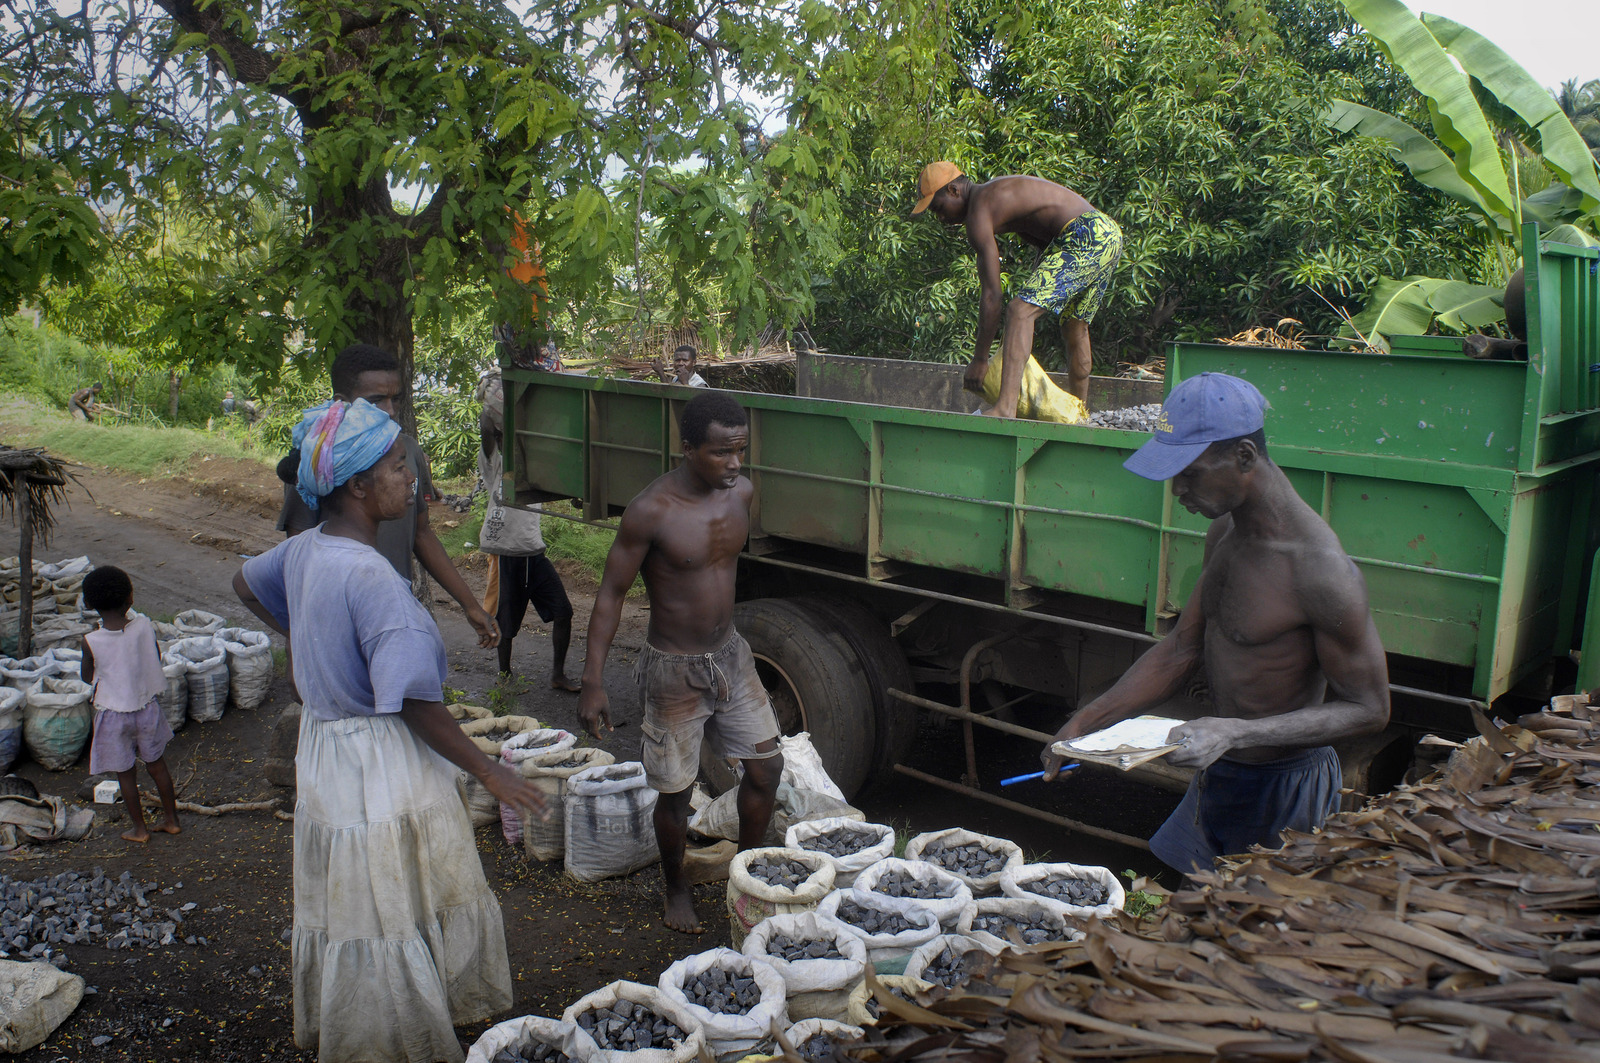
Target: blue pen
pixel 1032 775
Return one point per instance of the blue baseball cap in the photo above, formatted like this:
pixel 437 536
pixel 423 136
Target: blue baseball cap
pixel 1202 410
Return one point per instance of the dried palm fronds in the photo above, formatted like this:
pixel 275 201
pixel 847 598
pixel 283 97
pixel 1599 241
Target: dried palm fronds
pixel 1286 335
pixel 1457 917
pixel 1150 369
pixel 44 478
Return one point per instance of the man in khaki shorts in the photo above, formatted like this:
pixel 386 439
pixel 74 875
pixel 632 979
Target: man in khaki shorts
pixel 696 676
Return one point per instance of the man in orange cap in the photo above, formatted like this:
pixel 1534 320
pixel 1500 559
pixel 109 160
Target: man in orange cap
pixel 1080 250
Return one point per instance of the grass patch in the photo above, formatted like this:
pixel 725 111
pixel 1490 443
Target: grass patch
pixel 584 543
pixel 468 525
pixel 135 449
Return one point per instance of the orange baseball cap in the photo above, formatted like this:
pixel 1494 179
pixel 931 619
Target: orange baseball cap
pixel 935 176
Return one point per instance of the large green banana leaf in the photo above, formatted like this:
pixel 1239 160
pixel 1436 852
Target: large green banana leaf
pixel 1556 204
pixel 1426 160
pixel 1407 306
pixel 1559 143
pixel 1458 121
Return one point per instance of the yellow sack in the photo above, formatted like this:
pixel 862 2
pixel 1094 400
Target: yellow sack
pixel 1042 399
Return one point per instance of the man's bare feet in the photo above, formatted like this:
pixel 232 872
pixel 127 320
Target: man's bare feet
pixel 136 834
pixel 680 914
pixel 169 826
pixel 561 682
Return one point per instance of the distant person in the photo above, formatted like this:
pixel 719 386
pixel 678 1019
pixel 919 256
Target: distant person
pixel 696 675
pixel 397 937
pixel 521 573
pixel 683 368
pixel 362 371
pixel 1080 248
pixel 1280 622
pixel 228 404
pixel 122 661
pixel 85 402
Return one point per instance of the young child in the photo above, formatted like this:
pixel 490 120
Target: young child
pixel 122 662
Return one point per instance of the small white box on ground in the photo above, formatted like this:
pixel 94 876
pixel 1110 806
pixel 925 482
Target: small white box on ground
pixel 106 792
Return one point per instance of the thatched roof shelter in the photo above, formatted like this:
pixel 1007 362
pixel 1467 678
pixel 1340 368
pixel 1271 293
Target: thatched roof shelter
pixel 31 484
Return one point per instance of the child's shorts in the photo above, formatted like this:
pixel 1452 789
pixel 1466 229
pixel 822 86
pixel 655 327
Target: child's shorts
pixel 120 738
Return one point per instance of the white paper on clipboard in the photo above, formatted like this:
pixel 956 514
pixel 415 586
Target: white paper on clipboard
pixel 1124 745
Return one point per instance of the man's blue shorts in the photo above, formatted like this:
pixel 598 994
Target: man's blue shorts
pixel 1233 805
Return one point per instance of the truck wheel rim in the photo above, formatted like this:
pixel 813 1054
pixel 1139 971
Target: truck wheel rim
pixel 787 704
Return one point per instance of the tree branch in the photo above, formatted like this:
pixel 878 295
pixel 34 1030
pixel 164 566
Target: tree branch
pixel 250 64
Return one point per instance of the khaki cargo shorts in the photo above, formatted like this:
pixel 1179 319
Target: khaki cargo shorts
pixel 686 696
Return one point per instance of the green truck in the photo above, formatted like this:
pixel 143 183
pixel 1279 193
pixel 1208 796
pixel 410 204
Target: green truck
pixel 897 551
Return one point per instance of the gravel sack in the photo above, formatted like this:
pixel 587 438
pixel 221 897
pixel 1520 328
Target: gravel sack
pixel 249 665
pixel 774 881
pixel 25 673
pixel 56 720
pixel 601 1009
pixel 70 660
pixel 206 668
pixel 897 985
pixel 914 883
pixel 483 808
pixel 720 818
pixel 533 1039
pixel 979 860
pixel 802 766
pixel 545 839
pixel 735 998
pixel 175 701
pixel 66 590
pixel 1036 921
pixel 489 733
pixel 850 844
pixel 813 1040
pixel 166 634
pixel 838 964
pixel 460 710
pixel 948 960
pixel 10 727
pixel 197 623
pixel 515 751
pixel 72 566
pixel 889 934
pixel 1026 882
pixel 64 632
pixel 609 828
pixel 35 998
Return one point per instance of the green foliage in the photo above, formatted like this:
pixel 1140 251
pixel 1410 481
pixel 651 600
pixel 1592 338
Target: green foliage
pixel 447 429
pixel 1138 902
pixel 1195 125
pixel 572 540
pixel 466 531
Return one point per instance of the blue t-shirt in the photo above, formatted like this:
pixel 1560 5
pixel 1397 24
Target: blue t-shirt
pixel 362 644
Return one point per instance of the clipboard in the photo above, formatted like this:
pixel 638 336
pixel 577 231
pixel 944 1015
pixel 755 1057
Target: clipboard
pixel 1120 745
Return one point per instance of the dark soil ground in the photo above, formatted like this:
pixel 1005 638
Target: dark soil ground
pixel 229 1000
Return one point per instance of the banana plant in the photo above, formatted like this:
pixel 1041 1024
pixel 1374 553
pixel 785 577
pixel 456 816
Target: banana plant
pixel 1464 161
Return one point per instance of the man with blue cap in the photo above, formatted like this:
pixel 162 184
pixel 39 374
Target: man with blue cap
pixel 1279 620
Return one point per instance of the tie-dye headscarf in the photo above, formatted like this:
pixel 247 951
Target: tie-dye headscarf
pixel 336 441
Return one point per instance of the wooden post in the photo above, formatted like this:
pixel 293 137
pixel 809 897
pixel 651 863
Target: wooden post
pixel 25 562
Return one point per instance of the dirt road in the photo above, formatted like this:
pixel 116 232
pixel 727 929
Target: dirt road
pixel 229 999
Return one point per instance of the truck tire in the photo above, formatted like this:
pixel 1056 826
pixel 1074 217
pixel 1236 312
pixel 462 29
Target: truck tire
pixel 886 668
pixel 816 683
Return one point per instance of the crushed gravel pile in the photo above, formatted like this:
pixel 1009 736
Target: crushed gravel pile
pixel 873 920
pixel 722 992
pixel 1132 419
pixel 793 949
pixel 531 1050
pixel 816 1049
pixel 1069 890
pixel 948 969
pixel 774 871
pixel 627 1027
pixel 39 916
pixel 974 861
pixel 996 923
pixel 904 884
pixel 841 842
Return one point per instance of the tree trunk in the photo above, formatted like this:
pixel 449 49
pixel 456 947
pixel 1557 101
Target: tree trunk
pixel 173 383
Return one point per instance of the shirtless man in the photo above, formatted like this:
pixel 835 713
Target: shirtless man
pixel 1081 248
pixel 1279 617
pixel 696 674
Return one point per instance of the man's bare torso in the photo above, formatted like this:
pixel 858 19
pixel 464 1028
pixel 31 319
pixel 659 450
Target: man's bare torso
pixel 693 559
pixel 1033 208
pixel 1260 652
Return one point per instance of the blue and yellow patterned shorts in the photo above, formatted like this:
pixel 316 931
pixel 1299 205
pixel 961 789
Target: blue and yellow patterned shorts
pixel 1075 272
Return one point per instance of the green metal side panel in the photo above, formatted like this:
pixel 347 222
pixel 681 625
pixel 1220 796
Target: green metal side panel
pixel 1529 619
pixel 954 514
pixel 628 437
pixel 1089 527
pixel 798 461
pixel 548 450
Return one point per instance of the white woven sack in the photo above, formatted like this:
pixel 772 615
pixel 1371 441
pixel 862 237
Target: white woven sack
pixel 70 660
pixel 810 976
pixel 957 943
pixel 840 1033
pixel 56 719
pixel 750 900
pixel 720 818
pixel 546 839
pixel 482 725
pixel 35 998
pixel 657 1001
pixel 882 948
pixel 1011 884
pixel 566 1037
pixel 207 662
pixel 175 701
pixel 1035 909
pixel 60 632
pixel 948 909
pixel 845 868
pixel 483 808
pixel 729 1034
pixel 893 985
pixel 249 665
pixel 72 566
pixel 26 672
pixel 1008 853
pixel 610 828
pixel 11 701
pixel 197 623
pixel 518 749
